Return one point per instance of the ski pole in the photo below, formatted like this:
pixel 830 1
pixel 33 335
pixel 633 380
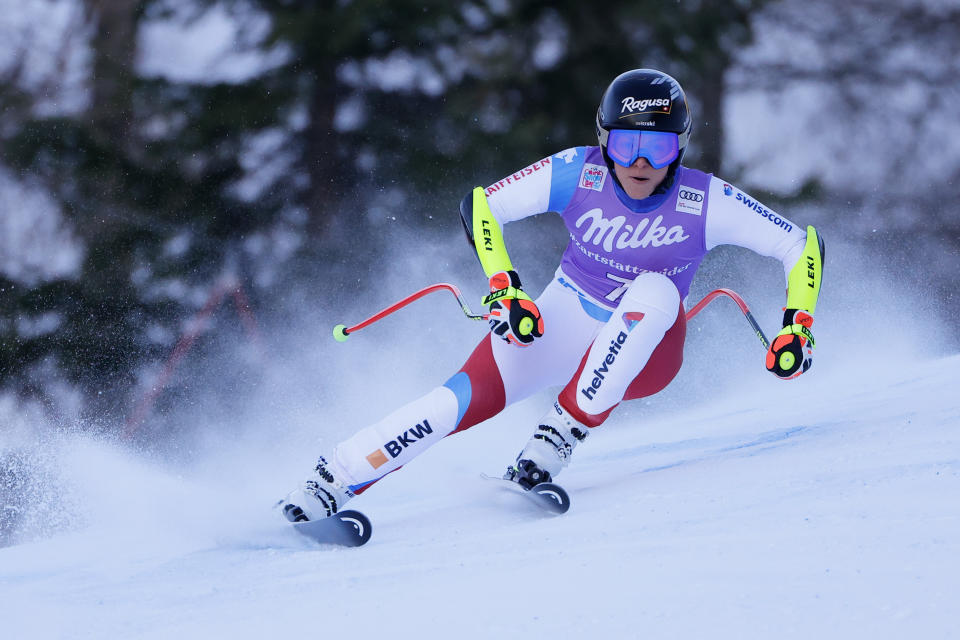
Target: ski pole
pixel 733 295
pixel 341 332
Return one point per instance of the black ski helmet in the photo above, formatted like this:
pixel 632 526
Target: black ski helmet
pixel 648 100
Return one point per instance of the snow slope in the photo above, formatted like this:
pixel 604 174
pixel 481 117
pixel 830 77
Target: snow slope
pixel 725 520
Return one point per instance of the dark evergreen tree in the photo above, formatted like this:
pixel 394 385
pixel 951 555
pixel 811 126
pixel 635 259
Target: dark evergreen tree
pixel 378 109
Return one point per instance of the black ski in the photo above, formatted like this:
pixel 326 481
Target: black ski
pixel 347 528
pixel 546 495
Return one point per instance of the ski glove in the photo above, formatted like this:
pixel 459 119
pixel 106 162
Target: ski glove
pixel 791 352
pixel 514 317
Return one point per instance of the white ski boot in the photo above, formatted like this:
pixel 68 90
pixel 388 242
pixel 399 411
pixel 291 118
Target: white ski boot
pixel 549 449
pixel 320 497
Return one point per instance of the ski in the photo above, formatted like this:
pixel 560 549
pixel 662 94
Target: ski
pixel 548 496
pixel 347 528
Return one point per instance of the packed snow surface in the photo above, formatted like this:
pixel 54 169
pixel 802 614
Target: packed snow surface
pixel 828 513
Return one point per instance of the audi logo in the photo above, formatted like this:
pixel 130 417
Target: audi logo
pixel 689 195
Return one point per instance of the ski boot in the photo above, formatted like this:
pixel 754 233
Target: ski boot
pixel 549 449
pixel 320 497
pixel 527 474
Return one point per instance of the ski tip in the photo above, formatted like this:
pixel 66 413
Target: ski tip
pixel 553 495
pixel 360 523
pixel 347 529
pixel 550 497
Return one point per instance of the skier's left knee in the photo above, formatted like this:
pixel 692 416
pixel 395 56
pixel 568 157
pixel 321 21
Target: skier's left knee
pixel 652 293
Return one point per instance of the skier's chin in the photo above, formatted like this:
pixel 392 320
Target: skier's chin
pixel 639 187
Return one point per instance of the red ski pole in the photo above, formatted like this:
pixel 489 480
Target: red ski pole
pixel 733 295
pixel 341 332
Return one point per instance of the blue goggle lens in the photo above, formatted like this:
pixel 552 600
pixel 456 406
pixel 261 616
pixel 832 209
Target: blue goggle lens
pixel 660 148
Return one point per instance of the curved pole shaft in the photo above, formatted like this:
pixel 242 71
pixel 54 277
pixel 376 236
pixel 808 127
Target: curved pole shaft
pixel 342 331
pixel 733 295
pixel 396 306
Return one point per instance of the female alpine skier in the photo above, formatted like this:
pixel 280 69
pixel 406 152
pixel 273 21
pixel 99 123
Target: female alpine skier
pixel 611 324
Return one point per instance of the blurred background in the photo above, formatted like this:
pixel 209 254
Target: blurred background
pixel 193 192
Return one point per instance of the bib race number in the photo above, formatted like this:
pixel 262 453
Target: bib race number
pixel 623 283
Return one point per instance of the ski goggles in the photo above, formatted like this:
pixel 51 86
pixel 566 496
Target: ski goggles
pixel 660 148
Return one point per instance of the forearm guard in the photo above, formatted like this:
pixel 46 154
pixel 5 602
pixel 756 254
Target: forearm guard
pixel 803 283
pixel 483 232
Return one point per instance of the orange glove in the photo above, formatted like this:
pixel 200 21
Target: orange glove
pixel 514 317
pixel 791 352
